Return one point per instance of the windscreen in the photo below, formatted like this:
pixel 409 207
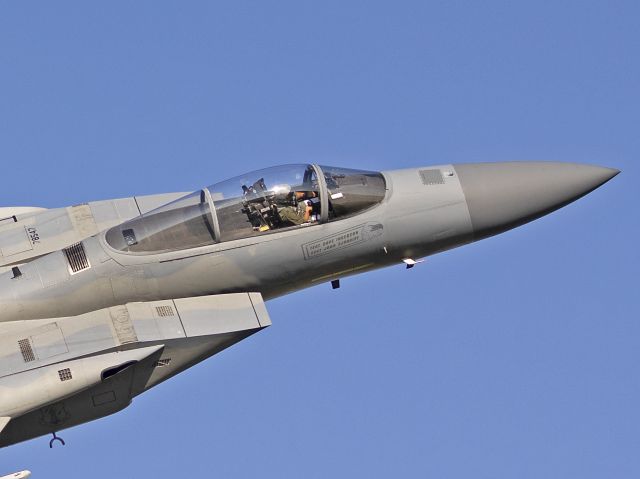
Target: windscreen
pixel 352 191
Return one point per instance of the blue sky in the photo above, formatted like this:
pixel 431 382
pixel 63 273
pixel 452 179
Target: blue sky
pixel 513 357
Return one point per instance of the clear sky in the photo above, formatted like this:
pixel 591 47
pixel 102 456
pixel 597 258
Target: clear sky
pixel 513 357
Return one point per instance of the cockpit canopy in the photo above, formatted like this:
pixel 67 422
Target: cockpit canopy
pixel 254 204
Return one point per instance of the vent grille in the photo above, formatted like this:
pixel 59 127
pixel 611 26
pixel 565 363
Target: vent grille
pixel 26 350
pixel 432 177
pixel 77 258
pixel 65 374
pixel 164 311
pixel 162 362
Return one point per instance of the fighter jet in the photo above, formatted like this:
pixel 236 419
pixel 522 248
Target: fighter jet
pixel 103 300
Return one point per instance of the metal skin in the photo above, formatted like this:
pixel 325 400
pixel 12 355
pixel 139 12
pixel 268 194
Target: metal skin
pixel 476 201
pixel 416 218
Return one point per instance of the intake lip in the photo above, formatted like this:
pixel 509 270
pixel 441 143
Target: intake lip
pixel 501 196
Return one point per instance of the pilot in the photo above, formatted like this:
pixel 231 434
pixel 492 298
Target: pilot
pixel 303 212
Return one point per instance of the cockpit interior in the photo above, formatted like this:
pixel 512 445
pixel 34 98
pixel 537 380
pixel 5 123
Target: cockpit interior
pixel 257 203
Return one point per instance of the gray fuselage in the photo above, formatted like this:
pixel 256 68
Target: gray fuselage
pixel 424 211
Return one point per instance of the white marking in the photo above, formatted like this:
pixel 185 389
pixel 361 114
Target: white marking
pixel 411 261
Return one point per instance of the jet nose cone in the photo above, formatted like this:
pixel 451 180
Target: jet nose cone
pixel 501 196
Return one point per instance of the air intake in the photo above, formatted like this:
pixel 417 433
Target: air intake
pixel 77 258
pixel 164 311
pixel 432 177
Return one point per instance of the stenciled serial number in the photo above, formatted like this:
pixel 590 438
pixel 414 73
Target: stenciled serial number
pixel 33 235
pixel 341 240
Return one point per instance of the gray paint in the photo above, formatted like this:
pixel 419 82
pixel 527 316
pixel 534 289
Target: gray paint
pixel 414 220
pixel 502 196
pixel 188 304
pixel 41 232
pixel 167 341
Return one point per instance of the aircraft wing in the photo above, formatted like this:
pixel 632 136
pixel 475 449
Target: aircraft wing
pixel 60 372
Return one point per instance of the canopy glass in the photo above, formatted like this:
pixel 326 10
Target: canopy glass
pixel 254 204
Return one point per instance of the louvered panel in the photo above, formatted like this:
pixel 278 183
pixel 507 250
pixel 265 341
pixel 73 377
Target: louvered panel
pixel 77 258
pixel 164 311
